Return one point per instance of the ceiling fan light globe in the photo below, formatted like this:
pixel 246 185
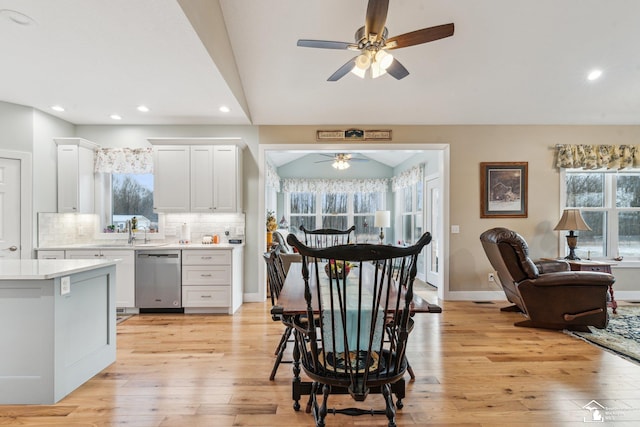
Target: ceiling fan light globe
pixel 376 70
pixel 384 59
pixel 358 72
pixel 363 61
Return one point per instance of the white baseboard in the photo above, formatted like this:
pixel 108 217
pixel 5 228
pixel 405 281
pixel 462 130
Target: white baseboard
pixel 475 296
pixel 626 295
pixel 252 297
pixel 499 296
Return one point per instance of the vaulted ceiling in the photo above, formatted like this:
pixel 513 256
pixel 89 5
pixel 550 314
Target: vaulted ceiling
pixel 509 62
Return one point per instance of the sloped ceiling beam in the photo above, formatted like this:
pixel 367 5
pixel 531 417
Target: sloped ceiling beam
pixel 208 21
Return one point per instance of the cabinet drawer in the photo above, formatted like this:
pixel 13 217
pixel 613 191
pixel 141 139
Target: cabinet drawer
pixel 600 268
pixel 206 296
pixel 50 254
pixel 206 257
pixel 206 275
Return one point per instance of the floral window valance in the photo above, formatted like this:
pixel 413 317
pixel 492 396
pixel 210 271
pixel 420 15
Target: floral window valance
pixel 291 185
pixel 597 156
pixel 124 160
pixel 408 178
pixel 272 180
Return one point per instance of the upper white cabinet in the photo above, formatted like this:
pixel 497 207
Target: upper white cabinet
pixel 171 179
pixel 75 175
pixel 216 173
pixel 198 178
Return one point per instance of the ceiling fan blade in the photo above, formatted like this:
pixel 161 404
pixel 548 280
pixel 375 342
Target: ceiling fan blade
pixel 397 70
pixel 342 71
pixel 376 17
pixel 424 35
pixel 326 44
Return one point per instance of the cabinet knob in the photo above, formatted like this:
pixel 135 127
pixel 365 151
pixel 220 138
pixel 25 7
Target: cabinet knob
pixel 205 296
pixel 205 275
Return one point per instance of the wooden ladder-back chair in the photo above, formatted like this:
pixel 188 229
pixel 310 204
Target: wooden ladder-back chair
pixel 275 278
pixel 325 237
pixel 354 293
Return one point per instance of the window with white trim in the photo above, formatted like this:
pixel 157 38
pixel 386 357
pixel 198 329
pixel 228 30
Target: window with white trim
pixel 610 205
pixel 335 210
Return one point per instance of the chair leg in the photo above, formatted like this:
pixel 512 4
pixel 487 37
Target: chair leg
pixel 283 346
pixel 320 412
pixel 390 410
pixel 283 341
pixel 411 373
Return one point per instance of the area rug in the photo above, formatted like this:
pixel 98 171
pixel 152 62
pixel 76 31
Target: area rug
pixel 622 335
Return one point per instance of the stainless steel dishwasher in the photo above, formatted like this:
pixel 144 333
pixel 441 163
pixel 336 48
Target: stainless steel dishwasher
pixel 158 280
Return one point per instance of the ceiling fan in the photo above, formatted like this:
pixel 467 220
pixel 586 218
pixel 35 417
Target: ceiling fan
pixel 341 160
pixel 373 44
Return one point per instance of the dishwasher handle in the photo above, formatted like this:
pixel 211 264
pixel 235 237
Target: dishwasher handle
pixel 158 256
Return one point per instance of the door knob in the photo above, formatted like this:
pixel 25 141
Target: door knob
pixel 13 248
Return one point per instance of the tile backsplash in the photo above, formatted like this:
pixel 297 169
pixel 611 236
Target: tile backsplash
pixel 56 229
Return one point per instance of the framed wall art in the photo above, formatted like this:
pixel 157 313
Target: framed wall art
pixel 503 189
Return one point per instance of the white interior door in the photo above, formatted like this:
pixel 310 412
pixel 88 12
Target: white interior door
pixel 434 226
pixel 9 209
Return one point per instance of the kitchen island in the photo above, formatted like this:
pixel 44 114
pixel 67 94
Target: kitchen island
pixel 58 328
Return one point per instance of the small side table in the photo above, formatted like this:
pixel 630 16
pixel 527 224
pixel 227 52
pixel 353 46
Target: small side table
pixel 599 266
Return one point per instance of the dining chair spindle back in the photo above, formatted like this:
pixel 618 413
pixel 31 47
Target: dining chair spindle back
pixel 353 294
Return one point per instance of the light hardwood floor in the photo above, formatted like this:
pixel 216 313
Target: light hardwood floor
pixel 473 367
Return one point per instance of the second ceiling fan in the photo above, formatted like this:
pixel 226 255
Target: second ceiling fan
pixel 373 44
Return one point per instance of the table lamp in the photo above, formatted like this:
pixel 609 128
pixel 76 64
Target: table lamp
pixel 382 220
pixel 572 220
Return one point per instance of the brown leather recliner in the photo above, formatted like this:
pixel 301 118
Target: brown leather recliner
pixel 549 294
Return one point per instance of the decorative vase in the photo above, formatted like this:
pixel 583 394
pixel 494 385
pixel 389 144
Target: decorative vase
pixel 269 239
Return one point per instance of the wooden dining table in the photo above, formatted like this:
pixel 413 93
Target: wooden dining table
pixel 291 303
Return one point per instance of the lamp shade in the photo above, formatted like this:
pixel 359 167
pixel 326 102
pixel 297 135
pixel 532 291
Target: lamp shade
pixel 382 219
pixel 572 220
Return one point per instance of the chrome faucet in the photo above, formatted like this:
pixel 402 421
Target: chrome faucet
pixel 132 238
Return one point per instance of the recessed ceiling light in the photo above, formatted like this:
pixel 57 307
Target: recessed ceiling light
pixel 225 109
pixel 143 108
pixel 594 75
pixel 57 108
pixel 116 117
pixel 17 17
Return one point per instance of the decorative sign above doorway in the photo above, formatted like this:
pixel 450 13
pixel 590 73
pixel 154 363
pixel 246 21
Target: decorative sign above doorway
pixel 353 135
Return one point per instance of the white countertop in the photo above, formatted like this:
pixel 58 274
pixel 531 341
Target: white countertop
pixel 39 269
pixel 141 246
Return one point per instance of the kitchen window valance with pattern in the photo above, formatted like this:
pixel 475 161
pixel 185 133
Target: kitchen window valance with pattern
pixel 290 185
pixel 597 156
pixel 124 160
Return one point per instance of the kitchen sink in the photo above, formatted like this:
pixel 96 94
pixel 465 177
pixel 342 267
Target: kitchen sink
pixel 148 245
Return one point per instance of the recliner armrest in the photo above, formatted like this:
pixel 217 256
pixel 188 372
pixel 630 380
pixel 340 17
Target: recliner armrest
pixel 572 278
pixel 551 265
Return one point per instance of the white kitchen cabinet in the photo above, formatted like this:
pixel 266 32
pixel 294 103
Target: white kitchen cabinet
pixel 75 175
pixel 227 179
pixel 211 280
pixel 125 271
pixel 200 178
pixel 171 178
pixel 50 254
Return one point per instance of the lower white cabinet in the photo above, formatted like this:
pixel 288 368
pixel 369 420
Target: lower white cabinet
pixel 50 254
pixel 212 280
pixel 125 271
